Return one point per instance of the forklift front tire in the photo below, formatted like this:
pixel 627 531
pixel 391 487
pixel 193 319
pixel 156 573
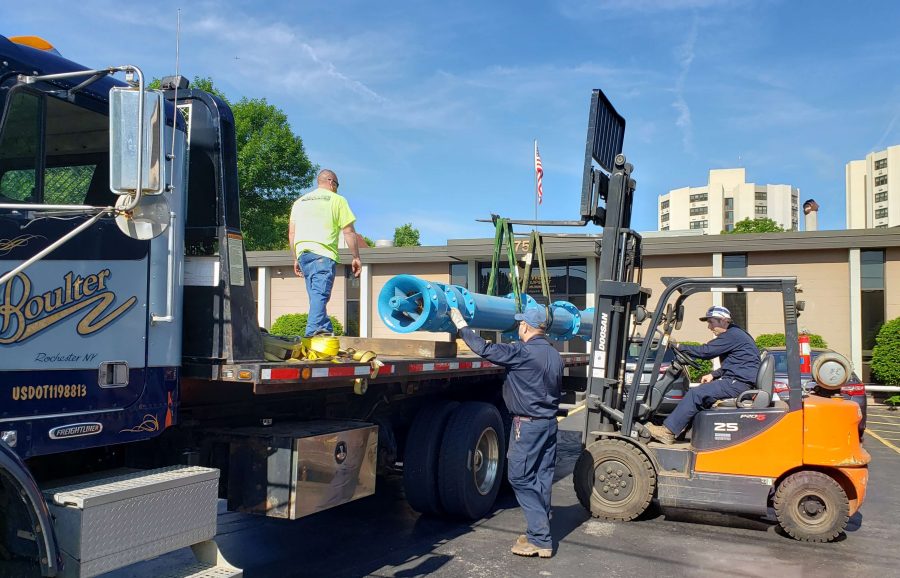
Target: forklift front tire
pixel 811 506
pixel 614 480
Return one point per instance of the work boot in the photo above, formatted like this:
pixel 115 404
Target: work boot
pixel 661 433
pixel 529 549
pixel 522 539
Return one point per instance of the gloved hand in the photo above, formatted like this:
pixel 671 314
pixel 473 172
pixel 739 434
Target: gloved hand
pixel 457 318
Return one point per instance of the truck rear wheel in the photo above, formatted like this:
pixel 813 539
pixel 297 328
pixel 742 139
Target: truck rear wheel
pixel 812 507
pixel 420 460
pixel 614 480
pixel 472 460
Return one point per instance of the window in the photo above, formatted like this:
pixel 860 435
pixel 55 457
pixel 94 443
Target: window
pixel 882 180
pixel 884 226
pixel 459 274
pixel 761 210
pixel 698 211
pixel 729 203
pixel 74 169
pixel 351 318
pixel 699 198
pixel 699 224
pixel 664 228
pixel 872 289
pixel 664 205
pixel 735 266
pixel 881 213
pixel 880 164
pixel 664 218
pixel 761 196
pixel 881 197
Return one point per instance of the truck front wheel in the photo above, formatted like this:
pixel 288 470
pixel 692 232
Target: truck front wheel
pixel 19 552
pixel 472 460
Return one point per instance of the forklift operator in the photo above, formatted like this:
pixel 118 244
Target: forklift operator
pixel 739 359
pixel 531 392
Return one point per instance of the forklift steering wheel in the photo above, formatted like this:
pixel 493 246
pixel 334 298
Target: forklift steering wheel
pixel 684 359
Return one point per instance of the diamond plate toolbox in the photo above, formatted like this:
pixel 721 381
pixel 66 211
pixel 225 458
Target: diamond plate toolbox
pixel 108 523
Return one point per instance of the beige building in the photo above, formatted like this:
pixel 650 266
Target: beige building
pixel 725 200
pixel 873 199
pixel 850 280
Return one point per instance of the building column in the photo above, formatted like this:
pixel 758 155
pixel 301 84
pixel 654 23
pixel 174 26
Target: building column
pixel 472 276
pixel 717 266
pixel 264 297
pixel 365 301
pixel 855 311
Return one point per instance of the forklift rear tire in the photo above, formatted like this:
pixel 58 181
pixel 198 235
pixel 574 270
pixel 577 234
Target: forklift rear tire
pixel 420 460
pixel 473 456
pixel 614 480
pixel 812 507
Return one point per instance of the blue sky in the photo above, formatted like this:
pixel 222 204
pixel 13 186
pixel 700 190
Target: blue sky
pixel 428 111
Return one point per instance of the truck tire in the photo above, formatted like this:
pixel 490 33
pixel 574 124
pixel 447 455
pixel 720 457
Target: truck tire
pixel 420 459
pixel 473 456
pixel 614 480
pixel 812 507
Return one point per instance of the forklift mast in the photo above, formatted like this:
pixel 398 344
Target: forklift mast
pixel 606 200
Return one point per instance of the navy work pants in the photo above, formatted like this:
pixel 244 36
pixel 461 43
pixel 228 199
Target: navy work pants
pixel 318 272
pixel 531 459
pixel 700 397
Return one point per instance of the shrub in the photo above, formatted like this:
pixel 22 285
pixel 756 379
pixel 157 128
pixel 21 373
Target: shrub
pixel 294 324
pixel 777 340
pixel 886 354
pixel 705 364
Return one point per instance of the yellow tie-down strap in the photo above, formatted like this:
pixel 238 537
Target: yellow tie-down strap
pixel 328 348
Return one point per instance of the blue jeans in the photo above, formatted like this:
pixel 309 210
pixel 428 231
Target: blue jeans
pixel 318 272
pixel 531 459
pixel 700 397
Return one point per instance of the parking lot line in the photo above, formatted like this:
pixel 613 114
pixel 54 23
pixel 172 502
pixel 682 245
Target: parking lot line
pixel 893 423
pixel 571 412
pixel 882 440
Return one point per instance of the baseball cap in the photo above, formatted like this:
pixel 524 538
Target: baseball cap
pixel 534 316
pixel 718 312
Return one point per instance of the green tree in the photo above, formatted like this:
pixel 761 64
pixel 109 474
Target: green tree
pixel 406 236
pixel 273 167
pixel 369 241
pixel 886 354
pixel 755 226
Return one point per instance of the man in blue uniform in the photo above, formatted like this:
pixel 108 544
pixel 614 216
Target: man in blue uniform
pixel 739 360
pixel 531 392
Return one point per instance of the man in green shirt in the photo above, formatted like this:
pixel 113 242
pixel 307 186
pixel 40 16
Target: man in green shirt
pixel 316 220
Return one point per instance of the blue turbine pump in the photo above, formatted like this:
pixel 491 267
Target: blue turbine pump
pixel 407 304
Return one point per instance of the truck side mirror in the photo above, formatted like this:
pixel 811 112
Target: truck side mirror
pixel 126 150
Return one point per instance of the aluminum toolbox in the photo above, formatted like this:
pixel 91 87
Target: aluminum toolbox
pixel 109 523
pixel 291 470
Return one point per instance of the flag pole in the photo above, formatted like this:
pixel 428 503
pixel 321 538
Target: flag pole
pixel 535 184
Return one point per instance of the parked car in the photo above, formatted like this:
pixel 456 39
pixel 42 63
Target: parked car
pixel 675 393
pixel 855 390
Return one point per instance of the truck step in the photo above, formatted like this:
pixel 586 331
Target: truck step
pixel 201 570
pixel 110 522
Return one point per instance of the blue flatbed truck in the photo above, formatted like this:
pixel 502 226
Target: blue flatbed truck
pixel 134 387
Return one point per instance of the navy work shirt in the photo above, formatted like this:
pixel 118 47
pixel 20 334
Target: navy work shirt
pixel 736 351
pixel 534 371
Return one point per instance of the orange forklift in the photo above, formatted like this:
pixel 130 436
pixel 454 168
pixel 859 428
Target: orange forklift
pixel 800 457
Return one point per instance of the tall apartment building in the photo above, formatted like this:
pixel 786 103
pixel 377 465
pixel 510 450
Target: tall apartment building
pixel 726 200
pixel 873 195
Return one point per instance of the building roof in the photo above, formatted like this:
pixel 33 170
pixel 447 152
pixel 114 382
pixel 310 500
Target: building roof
pixel 580 246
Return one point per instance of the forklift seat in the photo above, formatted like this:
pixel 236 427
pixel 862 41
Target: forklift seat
pixel 761 396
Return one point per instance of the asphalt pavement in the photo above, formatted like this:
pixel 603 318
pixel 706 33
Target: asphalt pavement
pixel 382 536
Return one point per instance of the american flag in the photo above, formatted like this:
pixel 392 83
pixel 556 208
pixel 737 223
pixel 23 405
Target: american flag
pixel 539 174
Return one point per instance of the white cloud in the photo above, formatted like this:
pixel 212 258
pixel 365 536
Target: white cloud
pixel 685 59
